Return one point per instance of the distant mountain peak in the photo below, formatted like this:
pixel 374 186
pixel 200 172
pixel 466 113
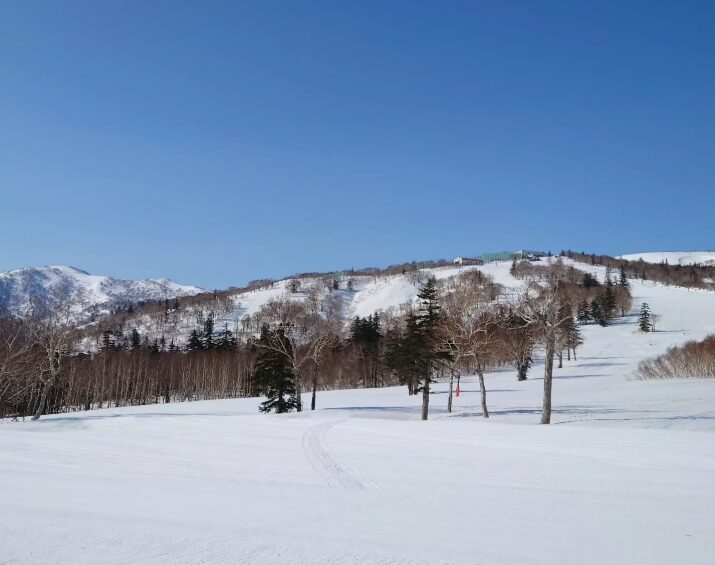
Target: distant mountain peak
pixel 18 285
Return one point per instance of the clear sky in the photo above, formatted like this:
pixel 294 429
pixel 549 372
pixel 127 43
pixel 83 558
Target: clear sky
pixel 217 142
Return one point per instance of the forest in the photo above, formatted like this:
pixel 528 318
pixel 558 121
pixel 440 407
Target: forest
pixel 302 342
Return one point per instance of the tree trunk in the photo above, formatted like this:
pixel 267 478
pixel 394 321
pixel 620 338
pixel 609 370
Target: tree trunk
pixel 483 388
pixel 574 354
pixel 43 398
pixel 315 388
pixel 449 398
pixel 298 393
pixel 561 358
pixel 521 371
pixel 425 398
pixel 548 375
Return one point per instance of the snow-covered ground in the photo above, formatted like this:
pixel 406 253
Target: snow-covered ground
pixel 674 257
pixel 624 475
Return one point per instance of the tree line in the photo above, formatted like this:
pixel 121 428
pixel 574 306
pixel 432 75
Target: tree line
pixel 300 342
pixel 688 276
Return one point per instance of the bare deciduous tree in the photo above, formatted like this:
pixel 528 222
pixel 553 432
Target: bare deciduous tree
pixel 52 323
pixel 470 328
pixel 307 334
pixel 540 305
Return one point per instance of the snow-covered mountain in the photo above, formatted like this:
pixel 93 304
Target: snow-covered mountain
pixel 674 257
pixel 17 286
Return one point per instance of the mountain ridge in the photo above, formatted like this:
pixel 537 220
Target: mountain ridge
pixel 18 285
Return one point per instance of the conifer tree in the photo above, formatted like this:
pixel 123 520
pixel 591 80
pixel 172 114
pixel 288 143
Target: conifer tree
pixel 273 374
pixel 644 319
pixel 108 340
pixel 428 323
pixel 225 340
pixel 208 335
pixel 134 339
pixel 597 313
pixel 583 314
pixel 589 281
pixel 404 355
pixel 573 341
pixel 195 342
pixel 609 302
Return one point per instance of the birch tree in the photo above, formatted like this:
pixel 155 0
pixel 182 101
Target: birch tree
pixel 305 335
pixel 469 330
pixel 52 323
pixel 539 306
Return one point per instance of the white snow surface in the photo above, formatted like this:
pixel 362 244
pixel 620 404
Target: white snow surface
pixel 624 475
pixel 16 286
pixel 674 257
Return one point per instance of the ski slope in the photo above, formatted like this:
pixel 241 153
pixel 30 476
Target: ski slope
pixel 674 257
pixel 624 475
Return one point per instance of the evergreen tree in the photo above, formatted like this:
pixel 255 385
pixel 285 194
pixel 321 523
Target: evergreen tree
pixel 208 334
pixel 404 355
pixel 428 323
pixel 108 340
pixel 589 281
pixel 366 337
pixel 195 342
pixel 574 340
pixel 624 279
pixel 273 374
pixel 162 343
pixel 134 339
pixel 583 313
pixel 609 302
pixel 597 312
pixel 225 340
pixel 644 319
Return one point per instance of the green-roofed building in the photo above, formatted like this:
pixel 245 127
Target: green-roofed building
pixel 521 255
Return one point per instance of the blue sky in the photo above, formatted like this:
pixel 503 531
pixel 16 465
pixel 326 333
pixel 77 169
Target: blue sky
pixel 217 142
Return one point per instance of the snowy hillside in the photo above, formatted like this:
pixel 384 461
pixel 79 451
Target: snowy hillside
pixel 674 257
pixel 16 286
pixel 370 294
pixel 361 296
pixel 624 475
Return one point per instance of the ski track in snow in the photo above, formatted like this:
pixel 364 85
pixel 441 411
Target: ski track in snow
pixel 321 457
